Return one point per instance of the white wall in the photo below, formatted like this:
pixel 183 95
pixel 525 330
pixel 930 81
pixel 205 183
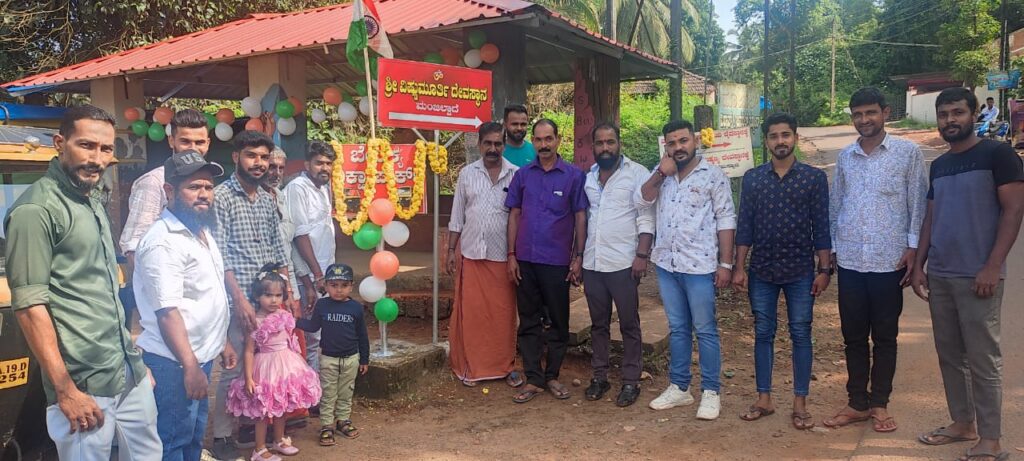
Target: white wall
pixel 921 107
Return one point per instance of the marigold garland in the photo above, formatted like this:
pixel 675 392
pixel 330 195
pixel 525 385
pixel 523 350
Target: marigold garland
pixel 436 153
pixel 338 188
pixel 707 137
pixel 419 178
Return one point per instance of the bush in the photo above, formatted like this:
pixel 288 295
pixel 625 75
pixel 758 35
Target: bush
pixel 913 124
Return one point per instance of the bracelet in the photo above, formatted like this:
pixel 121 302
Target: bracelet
pixel 643 255
pixel 511 253
pixel 726 266
pixel 451 249
pixel 660 173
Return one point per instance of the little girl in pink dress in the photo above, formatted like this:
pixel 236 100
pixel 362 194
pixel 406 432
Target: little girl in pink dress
pixel 276 379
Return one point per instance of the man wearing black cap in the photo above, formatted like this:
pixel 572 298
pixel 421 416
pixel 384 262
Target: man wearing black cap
pixel 183 305
pixel 344 351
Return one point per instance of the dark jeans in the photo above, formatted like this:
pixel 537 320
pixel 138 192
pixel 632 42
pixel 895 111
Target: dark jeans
pixel 543 293
pixel 870 304
pixel 764 302
pixel 601 289
pixel 180 421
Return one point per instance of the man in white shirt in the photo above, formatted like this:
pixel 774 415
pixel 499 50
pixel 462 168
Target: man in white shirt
pixel 989 112
pixel 309 204
pixel 878 200
pixel 696 228
pixel 482 330
pixel 183 305
pixel 614 260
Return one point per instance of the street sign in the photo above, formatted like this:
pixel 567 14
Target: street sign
pixel 432 96
pixel 731 151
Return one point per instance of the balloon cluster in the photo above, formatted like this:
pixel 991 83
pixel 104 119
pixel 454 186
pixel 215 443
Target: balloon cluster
pixel 481 52
pixel 285 109
pixel 347 111
pixel 383 263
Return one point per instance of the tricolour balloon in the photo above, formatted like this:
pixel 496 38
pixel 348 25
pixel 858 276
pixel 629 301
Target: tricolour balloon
pixel 318 115
pixel 131 114
pixel 367 237
pixel 477 38
pixel 382 211
pixel 384 265
pixel 386 310
pixel 299 107
pixel 489 53
pixel 396 233
pixel 332 96
pixel 211 121
pixel 156 132
pixel 251 106
pixel 163 115
pixel 284 109
pixel 473 59
pixel 451 55
pixel 372 289
pixel 254 124
pixel 140 128
pixel 361 88
pixel 286 126
pixel 347 112
pixel 225 115
pixel 167 130
pixel 223 131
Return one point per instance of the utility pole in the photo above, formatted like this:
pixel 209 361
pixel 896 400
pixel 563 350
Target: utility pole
pixel 832 103
pixel 711 47
pixel 792 56
pixel 765 71
pixel 675 88
pixel 1003 56
pixel 609 19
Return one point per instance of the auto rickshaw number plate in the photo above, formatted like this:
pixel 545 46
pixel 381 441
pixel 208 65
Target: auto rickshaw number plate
pixel 13 373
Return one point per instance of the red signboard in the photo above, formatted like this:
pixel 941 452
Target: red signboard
pixel 354 156
pixel 432 96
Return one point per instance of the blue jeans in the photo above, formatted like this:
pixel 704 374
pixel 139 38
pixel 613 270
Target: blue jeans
pixel 764 302
pixel 180 421
pixel 690 307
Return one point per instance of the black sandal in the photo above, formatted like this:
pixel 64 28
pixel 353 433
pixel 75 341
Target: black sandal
pixel 347 429
pixel 327 437
pixel 527 395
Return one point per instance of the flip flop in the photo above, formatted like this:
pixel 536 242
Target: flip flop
pixel 879 422
pixel 1001 456
pixel 527 395
pixel 801 420
pixel 558 390
pixel 755 413
pixel 948 437
pixel 514 379
pixel 844 419
pixel 468 383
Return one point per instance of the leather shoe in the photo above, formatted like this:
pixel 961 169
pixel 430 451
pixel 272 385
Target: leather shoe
pixel 628 395
pixel 597 389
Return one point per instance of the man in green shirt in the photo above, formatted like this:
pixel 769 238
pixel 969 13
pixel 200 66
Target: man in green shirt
pixel 62 272
pixel 518 150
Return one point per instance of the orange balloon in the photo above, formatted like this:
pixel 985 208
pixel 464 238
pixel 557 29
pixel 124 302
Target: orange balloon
pixel 384 265
pixel 163 115
pixel 489 53
pixel 451 56
pixel 299 108
pixel 382 211
pixel 225 116
pixel 131 114
pixel 332 96
pixel 254 124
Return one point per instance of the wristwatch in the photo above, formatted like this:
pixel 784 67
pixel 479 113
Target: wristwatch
pixel 725 266
pixel 826 270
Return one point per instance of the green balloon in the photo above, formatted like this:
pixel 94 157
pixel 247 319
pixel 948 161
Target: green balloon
pixel 361 88
pixel 434 58
pixel 477 38
pixel 140 127
pixel 211 121
pixel 386 310
pixel 348 98
pixel 367 237
pixel 157 132
pixel 285 109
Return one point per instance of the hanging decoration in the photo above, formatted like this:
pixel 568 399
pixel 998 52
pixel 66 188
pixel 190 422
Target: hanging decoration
pixel 707 137
pixel 374 149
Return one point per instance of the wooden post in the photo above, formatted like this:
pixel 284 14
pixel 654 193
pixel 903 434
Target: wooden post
pixel 595 99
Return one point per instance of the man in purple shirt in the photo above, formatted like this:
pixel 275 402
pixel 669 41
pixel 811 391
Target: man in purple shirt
pixel 547 231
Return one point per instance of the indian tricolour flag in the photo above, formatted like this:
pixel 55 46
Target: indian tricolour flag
pixel 366 30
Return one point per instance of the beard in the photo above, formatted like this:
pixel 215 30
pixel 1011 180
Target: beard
pixel 681 164
pixel 248 177
pixel 782 152
pixel 192 219
pixel 961 134
pixel 607 160
pixel 516 137
pixel 84 185
pixel 869 131
pixel 272 181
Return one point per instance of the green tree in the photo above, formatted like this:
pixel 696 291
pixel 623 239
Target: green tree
pixel 967 42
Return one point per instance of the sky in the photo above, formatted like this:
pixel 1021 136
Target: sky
pixel 723 11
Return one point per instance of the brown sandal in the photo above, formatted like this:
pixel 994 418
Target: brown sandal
pixel 347 429
pixel 527 394
pixel 755 413
pixel 879 424
pixel 842 419
pixel 802 420
pixel 558 390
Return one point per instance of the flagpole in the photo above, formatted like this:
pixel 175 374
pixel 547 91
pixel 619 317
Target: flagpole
pixel 369 92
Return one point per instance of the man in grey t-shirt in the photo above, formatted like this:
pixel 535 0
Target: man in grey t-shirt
pixel 974 214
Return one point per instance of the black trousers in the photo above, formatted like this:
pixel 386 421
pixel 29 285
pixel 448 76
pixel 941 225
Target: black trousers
pixel 602 288
pixel 870 304
pixel 543 293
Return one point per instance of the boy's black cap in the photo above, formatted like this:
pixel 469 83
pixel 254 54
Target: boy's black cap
pixel 339 272
pixel 183 164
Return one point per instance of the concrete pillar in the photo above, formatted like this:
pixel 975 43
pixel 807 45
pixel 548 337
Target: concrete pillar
pixel 508 74
pixel 274 77
pixel 115 94
pixel 595 99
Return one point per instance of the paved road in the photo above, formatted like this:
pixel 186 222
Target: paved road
pixel 918 401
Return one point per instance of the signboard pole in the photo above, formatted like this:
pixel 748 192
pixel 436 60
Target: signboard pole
pixel 369 91
pixel 437 227
pixel 384 352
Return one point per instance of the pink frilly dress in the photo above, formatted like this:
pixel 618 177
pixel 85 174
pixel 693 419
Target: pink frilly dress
pixel 284 383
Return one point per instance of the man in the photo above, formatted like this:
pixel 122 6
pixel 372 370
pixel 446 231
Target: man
pixel 309 204
pixel 272 183
pixel 62 271
pixel 547 232
pixel 248 235
pixel 878 202
pixel 990 112
pixel 518 150
pixel 693 254
pixel 783 224
pixel 482 331
pixel 147 199
pixel 183 308
pixel 973 218
pixel 619 236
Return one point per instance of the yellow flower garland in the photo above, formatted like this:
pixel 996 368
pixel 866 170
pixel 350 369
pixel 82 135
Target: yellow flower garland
pixel 436 153
pixel 419 178
pixel 338 188
pixel 707 137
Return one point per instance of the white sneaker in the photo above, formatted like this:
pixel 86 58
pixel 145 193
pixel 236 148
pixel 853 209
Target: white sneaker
pixel 673 396
pixel 710 406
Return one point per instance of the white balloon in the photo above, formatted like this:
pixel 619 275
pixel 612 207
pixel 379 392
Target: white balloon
pixel 318 115
pixel 286 126
pixel 223 131
pixel 167 129
pixel 473 59
pixel 364 106
pixel 396 233
pixel 251 106
pixel 373 83
pixel 372 289
pixel 142 113
pixel 347 112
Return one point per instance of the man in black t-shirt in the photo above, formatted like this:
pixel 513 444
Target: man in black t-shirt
pixel 975 205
